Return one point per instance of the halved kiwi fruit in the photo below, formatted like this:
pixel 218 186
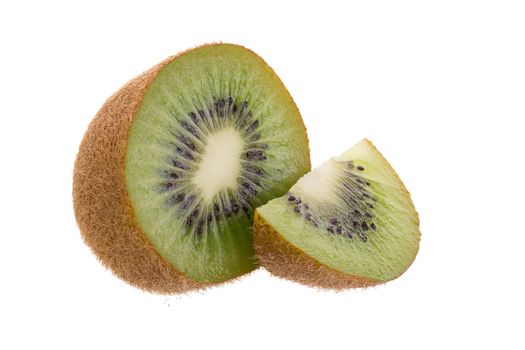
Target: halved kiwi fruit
pixel 171 168
pixel 348 223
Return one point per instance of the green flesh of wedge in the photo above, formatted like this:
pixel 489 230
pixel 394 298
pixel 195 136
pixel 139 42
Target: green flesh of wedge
pixel 216 135
pixel 352 214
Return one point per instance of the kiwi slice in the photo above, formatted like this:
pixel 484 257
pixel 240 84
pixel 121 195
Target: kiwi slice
pixel 348 223
pixel 171 168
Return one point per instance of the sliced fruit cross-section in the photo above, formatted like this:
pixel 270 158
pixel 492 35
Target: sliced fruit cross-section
pixel 348 223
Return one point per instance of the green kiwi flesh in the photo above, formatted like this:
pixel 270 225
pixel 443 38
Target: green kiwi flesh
pixel 352 216
pixel 216 135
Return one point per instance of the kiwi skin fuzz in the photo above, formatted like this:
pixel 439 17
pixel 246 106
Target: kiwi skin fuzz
pixel 100 200
pixel 285 260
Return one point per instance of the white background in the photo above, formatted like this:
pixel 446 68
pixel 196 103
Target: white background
pixel 438 86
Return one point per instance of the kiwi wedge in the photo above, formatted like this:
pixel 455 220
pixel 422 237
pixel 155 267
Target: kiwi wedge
pixel 348 223
pixel 171 168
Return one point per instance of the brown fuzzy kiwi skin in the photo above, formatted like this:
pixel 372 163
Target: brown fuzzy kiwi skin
pixel 101 204
pixel 285 260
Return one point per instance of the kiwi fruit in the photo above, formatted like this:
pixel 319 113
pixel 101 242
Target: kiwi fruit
pixel 348 223
pixel 171 168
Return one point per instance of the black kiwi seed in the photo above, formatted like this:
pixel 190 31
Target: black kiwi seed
pixel 373 226
pixel 253 126
pixel 361 168
pixel 245 195
pixel 193 117
pixel 244 105
pixel 330 229
pixel 246 211
pixel 186 142
pixel 189 200
pixel 356 224
pixel 255 155
pixel 334 221
pixel 297 209
pixel 198 229
pixel 188 127
pixel 188 155
pixel 250 155
pixel 249 187
pixel 166 187
pixel 195 213
pixel 178 164
pixel 179 197
pixel 364 226
pixel 338 229
pixel 218 109
pixel 254 191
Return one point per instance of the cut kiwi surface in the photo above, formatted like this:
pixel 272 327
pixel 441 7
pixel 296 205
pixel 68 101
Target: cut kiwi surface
pixel 173 165
pixel 348 223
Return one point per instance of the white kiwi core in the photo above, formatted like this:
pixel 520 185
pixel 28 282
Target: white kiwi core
pixel 221 163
